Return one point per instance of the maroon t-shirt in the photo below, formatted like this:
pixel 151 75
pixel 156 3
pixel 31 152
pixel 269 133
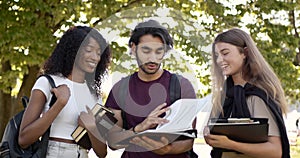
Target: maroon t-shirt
pixel 142 98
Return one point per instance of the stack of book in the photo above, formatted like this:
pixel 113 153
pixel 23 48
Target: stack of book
pixel 104 118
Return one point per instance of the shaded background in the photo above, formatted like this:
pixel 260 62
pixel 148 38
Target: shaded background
pixel 30 29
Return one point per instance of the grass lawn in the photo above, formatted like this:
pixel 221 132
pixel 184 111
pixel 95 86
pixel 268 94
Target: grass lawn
pixel 295 149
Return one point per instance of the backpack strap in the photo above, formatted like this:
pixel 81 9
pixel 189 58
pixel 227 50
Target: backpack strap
pixel 52 84
pixel 25 101
pixel 174 88
pixel 50 79
pixel 123 91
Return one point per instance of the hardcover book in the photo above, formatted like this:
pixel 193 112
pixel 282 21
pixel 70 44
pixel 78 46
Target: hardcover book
pixel 103 116
pixel 247 130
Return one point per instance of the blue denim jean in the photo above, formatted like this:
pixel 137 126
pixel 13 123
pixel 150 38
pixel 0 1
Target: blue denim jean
pixel 60 149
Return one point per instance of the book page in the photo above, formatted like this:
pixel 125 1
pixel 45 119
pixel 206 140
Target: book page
pixel 232 123
pixel 235 121
pixel 182 114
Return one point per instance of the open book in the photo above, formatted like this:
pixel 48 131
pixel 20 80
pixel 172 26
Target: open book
pixel 247 130
pixel 181 116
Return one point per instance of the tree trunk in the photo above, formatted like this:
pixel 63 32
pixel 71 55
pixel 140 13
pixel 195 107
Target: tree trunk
pixel 27 83
pixel 5 108
pixel 9 105
pixel 5 101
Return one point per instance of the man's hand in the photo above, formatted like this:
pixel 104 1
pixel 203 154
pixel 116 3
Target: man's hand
pixel 159 147
pixel 153 119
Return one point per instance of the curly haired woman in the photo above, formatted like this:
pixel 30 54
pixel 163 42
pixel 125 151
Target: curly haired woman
pixel 77 65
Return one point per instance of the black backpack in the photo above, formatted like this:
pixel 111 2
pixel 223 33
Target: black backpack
pixel 175 94
pixel 9 147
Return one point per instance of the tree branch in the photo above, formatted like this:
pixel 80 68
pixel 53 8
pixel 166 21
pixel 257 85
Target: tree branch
pixel 293 22
pixel 125 6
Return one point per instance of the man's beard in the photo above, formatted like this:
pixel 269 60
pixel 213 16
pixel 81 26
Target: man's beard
pixel 142 66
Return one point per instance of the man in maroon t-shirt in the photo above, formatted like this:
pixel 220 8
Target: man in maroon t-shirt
pixel 148 97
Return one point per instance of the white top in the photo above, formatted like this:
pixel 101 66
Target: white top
pixel 67 120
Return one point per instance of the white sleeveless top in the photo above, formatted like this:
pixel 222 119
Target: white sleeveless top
pixel 67 120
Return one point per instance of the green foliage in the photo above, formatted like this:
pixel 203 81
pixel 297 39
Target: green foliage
pixel 30 30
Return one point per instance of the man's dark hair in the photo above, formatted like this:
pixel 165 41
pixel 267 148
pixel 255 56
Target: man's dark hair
pixel 153 28
pixel 63 57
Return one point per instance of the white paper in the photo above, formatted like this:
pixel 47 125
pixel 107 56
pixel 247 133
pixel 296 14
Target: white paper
pixel 183 112
pixel 181 116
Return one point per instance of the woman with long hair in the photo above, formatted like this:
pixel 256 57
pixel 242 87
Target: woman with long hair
pixel 244 86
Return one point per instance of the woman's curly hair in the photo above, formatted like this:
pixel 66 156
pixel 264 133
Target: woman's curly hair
pixel 63 57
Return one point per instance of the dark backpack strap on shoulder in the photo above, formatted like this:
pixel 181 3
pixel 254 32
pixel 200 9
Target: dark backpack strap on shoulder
pixel 123 92
pixel 25 101
pixel 174 88
pixel 50 79
pixel 52 84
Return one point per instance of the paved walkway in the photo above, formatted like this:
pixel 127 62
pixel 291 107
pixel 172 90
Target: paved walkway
pixel 201 149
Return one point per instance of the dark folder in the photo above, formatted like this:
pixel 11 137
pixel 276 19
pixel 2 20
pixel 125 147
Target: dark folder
pixel 255 131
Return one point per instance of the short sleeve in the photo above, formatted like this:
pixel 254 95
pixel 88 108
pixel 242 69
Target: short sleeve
pixel 259 109
pixel 43 85
pixel 110 101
